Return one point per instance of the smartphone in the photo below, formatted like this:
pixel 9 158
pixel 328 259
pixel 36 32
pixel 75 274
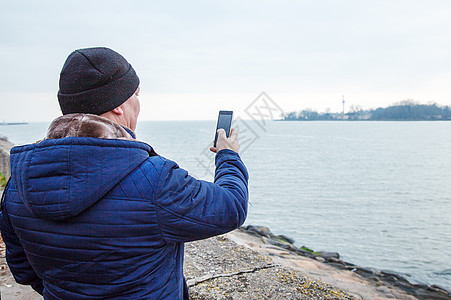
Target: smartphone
pixel 225 122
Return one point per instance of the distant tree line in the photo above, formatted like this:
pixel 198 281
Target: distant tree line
pixel 406 110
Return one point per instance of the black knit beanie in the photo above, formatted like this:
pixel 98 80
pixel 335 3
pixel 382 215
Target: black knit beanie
pixel 95 81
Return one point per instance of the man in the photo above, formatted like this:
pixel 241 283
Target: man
pixel 91 213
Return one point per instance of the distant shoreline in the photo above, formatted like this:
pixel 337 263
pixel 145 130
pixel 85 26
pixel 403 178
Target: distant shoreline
pixel 13 123
pixel 379 120
pixel 403 111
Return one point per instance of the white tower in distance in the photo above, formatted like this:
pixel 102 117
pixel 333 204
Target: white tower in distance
pixel 343 113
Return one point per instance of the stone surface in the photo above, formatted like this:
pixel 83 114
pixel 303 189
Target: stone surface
pixel 327 254
pixel 218 268
pixel 371 278
pixel 5 147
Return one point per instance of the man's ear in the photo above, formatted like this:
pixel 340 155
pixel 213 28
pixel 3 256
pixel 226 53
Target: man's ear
pixel 118 110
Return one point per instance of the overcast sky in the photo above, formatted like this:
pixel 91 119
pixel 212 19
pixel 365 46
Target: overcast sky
pixel 196 57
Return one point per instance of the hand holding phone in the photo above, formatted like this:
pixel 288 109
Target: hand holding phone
pixel 224 122
pixel 225 137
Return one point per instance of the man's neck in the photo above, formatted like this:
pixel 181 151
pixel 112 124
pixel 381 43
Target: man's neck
pixel 119 119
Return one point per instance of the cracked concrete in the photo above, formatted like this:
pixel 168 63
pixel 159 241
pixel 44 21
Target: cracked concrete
pixel 195 281
pixel 218 268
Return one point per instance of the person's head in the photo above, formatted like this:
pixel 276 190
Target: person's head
pixel 99 81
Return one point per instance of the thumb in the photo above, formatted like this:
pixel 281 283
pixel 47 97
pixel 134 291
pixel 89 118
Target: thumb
pixel 221 133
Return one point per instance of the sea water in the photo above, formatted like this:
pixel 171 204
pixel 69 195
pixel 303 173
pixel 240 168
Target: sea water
pixel 379 193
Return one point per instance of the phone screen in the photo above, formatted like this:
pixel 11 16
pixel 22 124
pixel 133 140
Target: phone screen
pixel 225 122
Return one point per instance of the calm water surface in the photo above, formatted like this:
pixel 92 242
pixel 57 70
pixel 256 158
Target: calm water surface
pixel 379 193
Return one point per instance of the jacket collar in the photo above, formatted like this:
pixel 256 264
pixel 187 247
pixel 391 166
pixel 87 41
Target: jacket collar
pixel 87 125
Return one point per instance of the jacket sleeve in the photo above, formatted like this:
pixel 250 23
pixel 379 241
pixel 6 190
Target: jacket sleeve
pixel 190 209
pixel 15 255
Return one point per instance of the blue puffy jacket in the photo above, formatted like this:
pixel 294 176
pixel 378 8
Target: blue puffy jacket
pixel 91 218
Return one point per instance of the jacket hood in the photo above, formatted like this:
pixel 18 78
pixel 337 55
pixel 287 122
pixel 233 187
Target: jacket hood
pixel 80 161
